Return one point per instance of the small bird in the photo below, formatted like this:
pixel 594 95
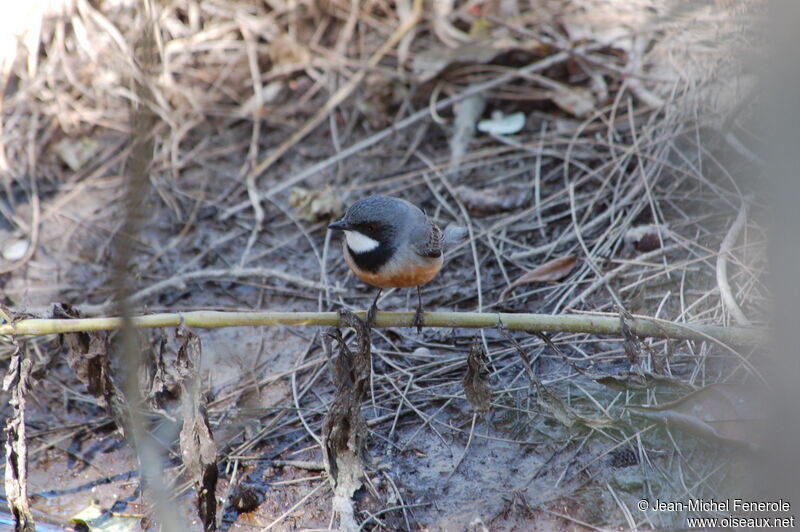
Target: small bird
pixel 390 243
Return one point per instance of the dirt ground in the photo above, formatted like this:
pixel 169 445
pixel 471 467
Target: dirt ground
pixel 635 154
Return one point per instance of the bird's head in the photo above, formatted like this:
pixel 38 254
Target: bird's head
pixel 372 224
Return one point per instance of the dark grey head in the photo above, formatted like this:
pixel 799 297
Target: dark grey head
pixel 376 226
pixel 379 218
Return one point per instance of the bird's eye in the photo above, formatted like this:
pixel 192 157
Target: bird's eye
pixel 371 226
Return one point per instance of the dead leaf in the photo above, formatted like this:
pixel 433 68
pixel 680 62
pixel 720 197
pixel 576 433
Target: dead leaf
pixel 552 270
pixel 476 386
pixel 576 101
pixel 16 383
pixel 316 205
pixel 483 202
pixel 344 429
pixel 727 413
pixel 164 385
pixel 87 355
pixel 75 153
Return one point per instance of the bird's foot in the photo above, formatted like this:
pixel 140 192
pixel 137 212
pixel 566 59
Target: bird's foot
pixel 419 316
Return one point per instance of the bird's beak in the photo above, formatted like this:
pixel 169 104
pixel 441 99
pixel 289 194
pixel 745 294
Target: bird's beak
pixel 341 225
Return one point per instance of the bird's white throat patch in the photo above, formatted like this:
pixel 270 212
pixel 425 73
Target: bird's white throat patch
pixel 360 243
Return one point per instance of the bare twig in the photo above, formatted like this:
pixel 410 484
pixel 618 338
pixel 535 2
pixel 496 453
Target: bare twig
pixel 722 268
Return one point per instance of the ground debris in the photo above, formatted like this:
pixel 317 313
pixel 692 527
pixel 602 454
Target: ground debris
pixel 487 201
pixel 552 270
pixel 344 430
pixel 316 205
pixel 198 449
pixel 17 383
pixel 475 381
pixel 631 342
pixel 88 356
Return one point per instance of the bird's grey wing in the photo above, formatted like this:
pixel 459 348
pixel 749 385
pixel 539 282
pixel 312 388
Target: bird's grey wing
pixel 427 240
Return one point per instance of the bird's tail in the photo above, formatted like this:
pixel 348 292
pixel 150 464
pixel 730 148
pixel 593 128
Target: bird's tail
pixel 453 235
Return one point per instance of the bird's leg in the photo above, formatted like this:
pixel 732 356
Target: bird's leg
pixel 418 316
pixel 373 310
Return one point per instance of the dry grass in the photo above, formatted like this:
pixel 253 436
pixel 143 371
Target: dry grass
pixel 663 146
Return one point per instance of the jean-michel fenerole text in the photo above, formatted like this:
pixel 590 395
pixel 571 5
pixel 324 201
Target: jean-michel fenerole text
pixel 722 505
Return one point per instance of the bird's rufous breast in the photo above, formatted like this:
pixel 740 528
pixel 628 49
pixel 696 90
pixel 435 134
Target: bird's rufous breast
pixel 394 276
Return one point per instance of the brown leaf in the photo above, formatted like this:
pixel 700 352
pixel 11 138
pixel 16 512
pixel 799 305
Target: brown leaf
pixel 574 100
pixel 88 357
pixel 475 380
pixel 552 270
pixel 488 201
pixel 17 384
pixel 344 429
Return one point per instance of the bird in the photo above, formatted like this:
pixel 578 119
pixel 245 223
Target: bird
pixel 390 243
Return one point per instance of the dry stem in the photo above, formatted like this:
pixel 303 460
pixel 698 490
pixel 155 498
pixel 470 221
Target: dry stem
pixel 642 325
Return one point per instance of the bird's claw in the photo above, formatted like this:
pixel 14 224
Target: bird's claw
pixel 419 316
pixel 371 313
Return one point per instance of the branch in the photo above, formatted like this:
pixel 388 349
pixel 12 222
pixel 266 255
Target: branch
pixel 722 268
pixel 593 324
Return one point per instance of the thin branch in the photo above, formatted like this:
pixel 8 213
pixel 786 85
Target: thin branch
pixel 642 326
